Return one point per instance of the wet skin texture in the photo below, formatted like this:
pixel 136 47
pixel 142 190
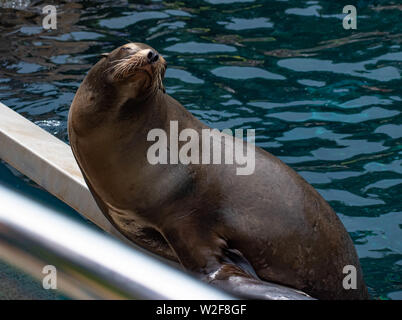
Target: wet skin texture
pixel 246 234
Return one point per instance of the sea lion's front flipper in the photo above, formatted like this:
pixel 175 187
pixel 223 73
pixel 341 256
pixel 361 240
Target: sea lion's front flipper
pixel 208 255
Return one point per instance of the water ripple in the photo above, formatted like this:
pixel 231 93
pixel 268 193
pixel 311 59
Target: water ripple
pixel 326 101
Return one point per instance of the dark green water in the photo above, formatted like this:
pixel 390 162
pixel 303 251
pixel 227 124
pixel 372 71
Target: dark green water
pixel 327 101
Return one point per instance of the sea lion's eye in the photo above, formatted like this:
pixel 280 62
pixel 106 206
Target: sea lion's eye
pixel 125 49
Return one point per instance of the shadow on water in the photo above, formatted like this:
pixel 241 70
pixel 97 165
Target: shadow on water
pixel 327 101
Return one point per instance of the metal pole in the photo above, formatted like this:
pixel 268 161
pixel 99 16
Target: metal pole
pixel 89 264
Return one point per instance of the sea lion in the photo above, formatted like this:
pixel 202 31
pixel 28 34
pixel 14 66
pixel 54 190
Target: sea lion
pixel 248 234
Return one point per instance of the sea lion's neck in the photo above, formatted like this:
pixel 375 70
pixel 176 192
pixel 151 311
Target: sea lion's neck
pixel 133 109
pixel 134 120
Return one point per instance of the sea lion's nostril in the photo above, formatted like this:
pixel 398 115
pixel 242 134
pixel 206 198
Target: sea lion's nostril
pixel 150 55
pixel 155 58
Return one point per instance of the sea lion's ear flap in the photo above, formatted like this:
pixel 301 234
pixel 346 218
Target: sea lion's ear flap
pixel 163 77
pixel 103 55
pixel 161 86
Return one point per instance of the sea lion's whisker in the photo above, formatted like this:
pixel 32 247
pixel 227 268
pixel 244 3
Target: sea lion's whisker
pixel 125 66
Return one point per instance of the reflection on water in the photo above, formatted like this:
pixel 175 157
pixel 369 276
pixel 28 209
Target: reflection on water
pixel 325 100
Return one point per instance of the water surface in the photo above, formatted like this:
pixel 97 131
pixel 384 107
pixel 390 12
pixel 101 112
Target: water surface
pixel 325 100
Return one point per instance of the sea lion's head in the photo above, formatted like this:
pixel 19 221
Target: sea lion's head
pixel 136 70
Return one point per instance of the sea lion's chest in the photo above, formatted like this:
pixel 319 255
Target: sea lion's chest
pixel 119 171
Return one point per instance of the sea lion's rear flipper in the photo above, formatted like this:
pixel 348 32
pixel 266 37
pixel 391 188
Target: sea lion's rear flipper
pixel 208 255
pixel 232 279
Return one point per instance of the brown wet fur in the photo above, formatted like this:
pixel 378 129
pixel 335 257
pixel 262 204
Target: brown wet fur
pixel 235 230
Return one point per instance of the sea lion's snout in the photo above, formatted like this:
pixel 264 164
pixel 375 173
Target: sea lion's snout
pixel 132 58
